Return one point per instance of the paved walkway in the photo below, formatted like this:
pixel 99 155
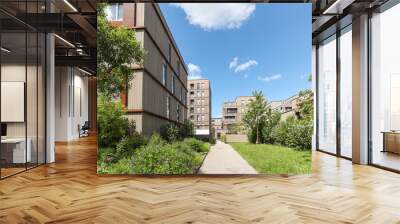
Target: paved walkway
pixel 223 159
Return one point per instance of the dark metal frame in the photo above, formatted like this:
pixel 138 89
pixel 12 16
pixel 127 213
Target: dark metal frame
pixel 44 79
pixel 338 34
pixel 389 4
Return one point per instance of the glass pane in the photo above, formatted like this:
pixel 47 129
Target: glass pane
pixel 346 93
pixel 385 93
pixel 327 97
pixel 41 98
pixel 13 87
pixel 31 98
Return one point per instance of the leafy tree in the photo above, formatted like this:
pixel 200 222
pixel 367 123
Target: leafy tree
pixel 306 104
pixel 271 122
pixel 117 51
pixel 112 125
pixel 256 114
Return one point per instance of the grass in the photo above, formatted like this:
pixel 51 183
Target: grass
pixel 273 159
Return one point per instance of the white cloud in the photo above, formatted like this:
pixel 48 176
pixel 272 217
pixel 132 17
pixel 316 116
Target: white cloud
pixel 245 66
pixel 234 62
pixel 211 16
pixel 270 78
pixel 194 71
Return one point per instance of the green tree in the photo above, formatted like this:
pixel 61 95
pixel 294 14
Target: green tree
pixel 256 114
pixel 306 104
pixel 117 51
pixel 112 125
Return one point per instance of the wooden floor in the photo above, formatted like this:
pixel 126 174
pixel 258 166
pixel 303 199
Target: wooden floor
pixel 70 191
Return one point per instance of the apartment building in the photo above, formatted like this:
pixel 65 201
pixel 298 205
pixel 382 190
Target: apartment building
pixel 287 107
pixel 158 92
pixel 233 111
pixel 199 99
pixel 217 127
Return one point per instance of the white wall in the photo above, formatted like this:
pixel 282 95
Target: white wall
pixel 71 102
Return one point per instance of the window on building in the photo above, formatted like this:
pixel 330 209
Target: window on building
pixel 177 111
pixel 202 102
pixel 198 85
pixel 173 84
pixel 191 102
pixel 114 12
pixel 198 110
pixel 198 118
pixel 168 107
pixel 192 110
pixel 203 118
pixel 178 68
pixel 198 94
pixel 192 86
pixel 169 53
pixel 164 74
pixel 181 95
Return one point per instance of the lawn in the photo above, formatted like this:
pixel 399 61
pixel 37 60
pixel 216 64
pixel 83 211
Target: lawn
pixel 273 159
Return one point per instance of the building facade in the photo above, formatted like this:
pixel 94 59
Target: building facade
pixel 287 107
pixel 199 99
pixel 217 127
pixel 233 111
pixel 158 92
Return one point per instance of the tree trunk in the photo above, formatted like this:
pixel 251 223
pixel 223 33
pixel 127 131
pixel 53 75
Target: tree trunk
pixel 257 136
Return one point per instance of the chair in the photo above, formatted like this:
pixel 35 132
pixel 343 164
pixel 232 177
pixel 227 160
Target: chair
pixel 84 130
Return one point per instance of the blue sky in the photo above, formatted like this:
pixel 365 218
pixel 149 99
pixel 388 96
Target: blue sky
pixel 244 47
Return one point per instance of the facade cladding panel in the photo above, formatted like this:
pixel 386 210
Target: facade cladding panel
pixel 147 96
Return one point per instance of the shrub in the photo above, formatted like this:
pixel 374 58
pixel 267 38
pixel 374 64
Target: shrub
pixel 223 138
pixel 105 155
pixel 294 133
pixel 196 145
pixel 267 131
pixel 123 166
pixel 169 132
pixel 213 140
pixel 112 125
pixel 127 146
pixel 156 140
pixel 186 130
pixel 174 158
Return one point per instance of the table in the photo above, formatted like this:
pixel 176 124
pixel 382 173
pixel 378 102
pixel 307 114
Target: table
pixel 391 141
pixel 13 150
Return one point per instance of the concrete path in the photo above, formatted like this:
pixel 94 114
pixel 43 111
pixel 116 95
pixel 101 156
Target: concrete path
pixel 223 159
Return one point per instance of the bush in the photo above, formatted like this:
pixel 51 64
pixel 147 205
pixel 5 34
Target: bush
pixel 169 132
pixel 123 166
pixel 174 158
pixel 127 146
pixel 196 145
pixel 186 130
pixel 223 138
pixel 213 140
pixel 112 125
pixel 267 135
pixel 294 133
pixel 156 140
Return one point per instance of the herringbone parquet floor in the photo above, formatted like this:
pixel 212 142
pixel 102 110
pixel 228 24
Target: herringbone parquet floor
pixel 70 191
